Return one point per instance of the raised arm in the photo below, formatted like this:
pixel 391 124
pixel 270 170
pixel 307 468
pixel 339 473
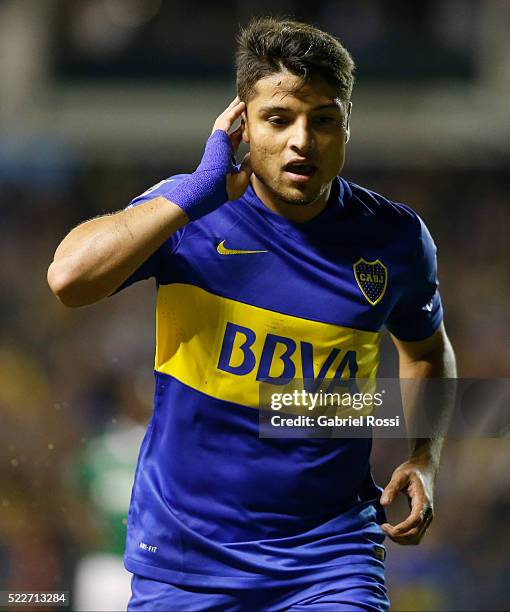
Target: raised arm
pixel 96 257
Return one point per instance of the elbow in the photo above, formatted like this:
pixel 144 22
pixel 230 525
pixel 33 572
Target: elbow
pixel 63 286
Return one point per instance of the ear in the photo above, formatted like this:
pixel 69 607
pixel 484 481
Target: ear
pixel 244 125
pixel 348 123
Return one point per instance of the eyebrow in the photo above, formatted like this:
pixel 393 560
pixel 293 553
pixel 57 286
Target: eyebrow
pixel 279 109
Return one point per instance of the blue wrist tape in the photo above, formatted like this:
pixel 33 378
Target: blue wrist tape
pixel 203 191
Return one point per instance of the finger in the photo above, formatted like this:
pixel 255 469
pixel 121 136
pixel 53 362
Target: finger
pixel 227 118
pixel 413 521
pixel 235 137
pixel 420 506
pixel 393 488
pixel 235 101
pixel 237 130
pixel 420 518
pixel 232 104
pixel 411 538
pixel 231 114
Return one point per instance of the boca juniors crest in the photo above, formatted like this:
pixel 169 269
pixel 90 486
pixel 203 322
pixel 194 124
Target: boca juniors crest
pixel 372 279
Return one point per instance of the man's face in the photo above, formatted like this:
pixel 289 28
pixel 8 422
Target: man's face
pixel 297 135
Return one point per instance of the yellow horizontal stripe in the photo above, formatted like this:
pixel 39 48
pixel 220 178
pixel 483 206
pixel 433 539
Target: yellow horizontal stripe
pixel 199 338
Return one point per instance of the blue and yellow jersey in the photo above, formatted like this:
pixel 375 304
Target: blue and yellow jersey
pixel 245 295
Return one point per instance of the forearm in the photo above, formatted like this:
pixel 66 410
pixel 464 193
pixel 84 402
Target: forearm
pixel 428 405
pixel 96 257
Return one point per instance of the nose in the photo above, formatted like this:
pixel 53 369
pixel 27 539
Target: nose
pixel 302 138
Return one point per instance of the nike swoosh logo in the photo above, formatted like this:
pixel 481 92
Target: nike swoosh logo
pixel 223 250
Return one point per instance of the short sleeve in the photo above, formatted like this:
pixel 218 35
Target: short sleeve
pixel 419 311
pixel 151 267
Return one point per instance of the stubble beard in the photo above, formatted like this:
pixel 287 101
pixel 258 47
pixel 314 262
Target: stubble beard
pixel 289 198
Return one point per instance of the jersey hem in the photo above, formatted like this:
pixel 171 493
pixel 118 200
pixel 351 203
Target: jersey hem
pixel 308 575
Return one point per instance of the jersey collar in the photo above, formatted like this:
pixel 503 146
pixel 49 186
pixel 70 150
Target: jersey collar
pixel 335 206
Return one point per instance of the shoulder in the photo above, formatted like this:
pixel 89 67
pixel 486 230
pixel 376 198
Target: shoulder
pixel 164 187
pixel 396 215
pixel 374 204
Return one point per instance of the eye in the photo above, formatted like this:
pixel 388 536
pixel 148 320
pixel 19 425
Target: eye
pixel 279 121
pixel 325 120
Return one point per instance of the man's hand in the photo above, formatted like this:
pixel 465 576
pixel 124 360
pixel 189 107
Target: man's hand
pixel 416 480
pixel 237 182
pixel 216 179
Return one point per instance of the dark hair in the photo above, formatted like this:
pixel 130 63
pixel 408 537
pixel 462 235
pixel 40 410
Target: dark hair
pixel 268 45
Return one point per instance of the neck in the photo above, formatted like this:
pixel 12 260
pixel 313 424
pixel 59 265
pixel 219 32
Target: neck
pixel 299 213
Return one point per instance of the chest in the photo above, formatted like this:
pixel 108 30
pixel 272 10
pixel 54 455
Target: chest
pixel 342 276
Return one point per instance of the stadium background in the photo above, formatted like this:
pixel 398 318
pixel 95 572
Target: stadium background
pixel 99 99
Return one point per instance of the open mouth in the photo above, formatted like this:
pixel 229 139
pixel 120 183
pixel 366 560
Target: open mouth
pixel 300 171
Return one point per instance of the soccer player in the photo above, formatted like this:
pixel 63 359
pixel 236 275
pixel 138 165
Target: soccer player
pixel 273 270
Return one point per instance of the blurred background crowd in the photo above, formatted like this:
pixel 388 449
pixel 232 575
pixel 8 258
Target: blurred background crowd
pixel 99 99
